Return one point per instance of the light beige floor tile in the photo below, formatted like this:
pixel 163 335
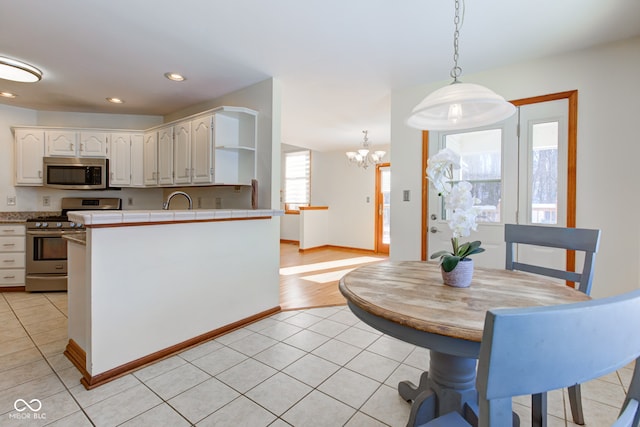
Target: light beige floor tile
pixel 337 352
pixel 252 344
pixel 280 331
pixel 604 392
pixel 328 328
pixel 311 370
pixel 39 388
pixel 54 334
pixel 279 393
pixel 11 333
pixel 362 420
pixel 387 406
pixel 19 300
pixel 161 415
pixel 54 347
pixel 419 358
pixel 357 337
pixel 391 348
pixel 279 356
pixel 77 419
pixel 246 375
pixel 349 387
pixel 56 407
pixel 176 381
pixel 219 360
pixel 18 358
pixel 373 365
pixel 91 397
pixel 262 324
pixel 240 412
pixel 159 368
pixel 318 409
pixel 45 315
pixel 70 376
pixel 598 414
pixel 24 373
pixel 200 350
pixel 303 320
pixel 344 316
pixel 18 344
pixel 38 328
pixel 203 399
pixel 324 312
pixel 123 406
pixel 306 340
pixel 59 362
pixel 233 336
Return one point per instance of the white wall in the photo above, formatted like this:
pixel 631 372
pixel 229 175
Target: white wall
pixel 608 151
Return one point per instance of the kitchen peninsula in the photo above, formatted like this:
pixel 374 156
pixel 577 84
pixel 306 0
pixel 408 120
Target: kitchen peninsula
pixel 146 284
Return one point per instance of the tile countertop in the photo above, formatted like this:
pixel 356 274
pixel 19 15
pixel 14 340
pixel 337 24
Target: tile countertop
pixel 155 216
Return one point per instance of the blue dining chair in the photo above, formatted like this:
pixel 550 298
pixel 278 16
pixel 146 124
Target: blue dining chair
pixel 534 350
pixel 579 239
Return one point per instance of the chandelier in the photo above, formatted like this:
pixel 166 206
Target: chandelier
pixel 364 157
pixel 459 105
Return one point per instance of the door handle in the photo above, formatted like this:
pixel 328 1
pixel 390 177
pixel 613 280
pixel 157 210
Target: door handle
pixel 434 229
pixel 434 217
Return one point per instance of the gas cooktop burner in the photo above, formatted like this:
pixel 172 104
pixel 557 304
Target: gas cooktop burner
pixel 50 218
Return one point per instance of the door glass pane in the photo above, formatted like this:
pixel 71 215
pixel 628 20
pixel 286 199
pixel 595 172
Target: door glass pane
pixel 385 181
pixel 544 173
pixel 481 165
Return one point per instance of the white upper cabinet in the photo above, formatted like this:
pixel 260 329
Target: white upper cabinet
pixel 93 144
pixel 29 153
pixel 202 150
pixel 61 143
pixel 165 155
pixel 150 156
pixel 137 160
pixel 182 153
pixel 66 143
pixel 120 160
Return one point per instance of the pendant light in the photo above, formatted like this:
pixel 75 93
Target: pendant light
pixel 459 105
pixel 17 71
pixel 364 157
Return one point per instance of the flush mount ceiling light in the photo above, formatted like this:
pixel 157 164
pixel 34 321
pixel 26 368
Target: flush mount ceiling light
pixel 8 95
pixel 459 105
pixel 17 71
pixel 115 100
pixel 365 157
pixel 175 77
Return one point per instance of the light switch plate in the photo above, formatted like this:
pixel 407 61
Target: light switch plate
pixel 46 201
pixel 406 195
pixel 11 200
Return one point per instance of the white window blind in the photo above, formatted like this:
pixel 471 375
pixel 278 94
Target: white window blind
pixel 297 179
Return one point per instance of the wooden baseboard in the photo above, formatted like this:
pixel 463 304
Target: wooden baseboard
pixel 90 382
pixel 290 242
pixel 342 248
pixel 12 289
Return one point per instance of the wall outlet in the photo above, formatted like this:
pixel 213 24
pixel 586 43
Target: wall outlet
pixel 130 201
pixel 46 201
pixel 218 202
pixel 11 200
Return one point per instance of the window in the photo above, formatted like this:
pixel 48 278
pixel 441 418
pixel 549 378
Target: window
pixel 297 172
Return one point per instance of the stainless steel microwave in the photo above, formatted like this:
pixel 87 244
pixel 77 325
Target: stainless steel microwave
pixel 76 173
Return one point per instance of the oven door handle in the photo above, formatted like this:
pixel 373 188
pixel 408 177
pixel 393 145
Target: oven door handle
pixel 54 232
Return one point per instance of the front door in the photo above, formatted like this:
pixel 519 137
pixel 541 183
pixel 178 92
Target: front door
pixel 383 208
pixel 518 169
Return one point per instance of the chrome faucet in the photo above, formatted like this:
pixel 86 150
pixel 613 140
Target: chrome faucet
pixel 165 205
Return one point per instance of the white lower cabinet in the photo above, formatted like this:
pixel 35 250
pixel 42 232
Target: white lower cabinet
pixel 12 255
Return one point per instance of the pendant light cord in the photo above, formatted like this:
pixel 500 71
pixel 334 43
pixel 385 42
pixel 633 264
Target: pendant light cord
pixel 456 71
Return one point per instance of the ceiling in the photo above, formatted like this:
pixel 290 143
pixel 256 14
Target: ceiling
pixel 337 60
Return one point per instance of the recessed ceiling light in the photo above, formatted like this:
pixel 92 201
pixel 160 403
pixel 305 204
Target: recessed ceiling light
pixel 18 71
pixel 115 100
pixel 175 77
pixel 7 95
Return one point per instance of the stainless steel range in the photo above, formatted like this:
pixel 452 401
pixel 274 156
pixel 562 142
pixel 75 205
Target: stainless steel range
pixel 46 268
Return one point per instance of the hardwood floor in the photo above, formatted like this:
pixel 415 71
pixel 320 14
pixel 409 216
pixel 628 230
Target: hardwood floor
pixel 310 279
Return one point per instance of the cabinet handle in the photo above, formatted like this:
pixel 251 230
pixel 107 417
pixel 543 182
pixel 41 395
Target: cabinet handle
pixel 9 230
pixel 39 174
pixel 9 277
pixel 7 245
pixel 9 260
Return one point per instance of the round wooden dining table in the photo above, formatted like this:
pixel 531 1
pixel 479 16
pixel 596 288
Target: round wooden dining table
pixel 408 300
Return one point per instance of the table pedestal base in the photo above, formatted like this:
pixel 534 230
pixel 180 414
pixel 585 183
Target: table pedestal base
pixel 449 384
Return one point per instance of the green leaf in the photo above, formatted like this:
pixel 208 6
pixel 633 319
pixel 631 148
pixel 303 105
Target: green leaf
pixel 450 262
pixel 440 254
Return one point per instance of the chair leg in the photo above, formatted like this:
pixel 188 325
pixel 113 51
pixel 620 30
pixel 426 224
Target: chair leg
pixel 575 400
pixel 539 410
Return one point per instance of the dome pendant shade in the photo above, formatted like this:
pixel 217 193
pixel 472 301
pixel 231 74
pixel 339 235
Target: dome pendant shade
pixel 460 106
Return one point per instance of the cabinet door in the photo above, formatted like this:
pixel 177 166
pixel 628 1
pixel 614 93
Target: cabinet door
pixel 61 143
pixel 120 160
pixel 151 158
pixel 165 155
pixel 202 150
pixel 137 160
pixel 93 144
pixel 29 154
pixel 182 152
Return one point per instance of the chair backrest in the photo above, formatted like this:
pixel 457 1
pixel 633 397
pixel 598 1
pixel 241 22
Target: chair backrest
pixel 579 239
pixel 533 350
